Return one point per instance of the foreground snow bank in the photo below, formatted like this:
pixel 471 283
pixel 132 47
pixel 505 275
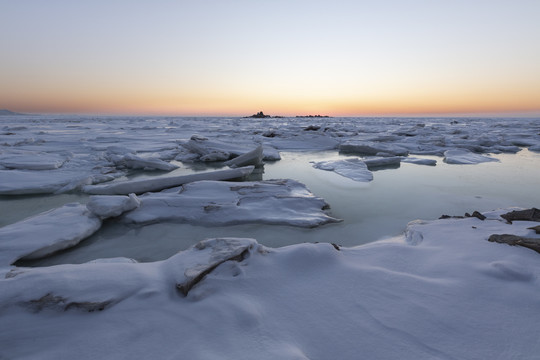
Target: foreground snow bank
pixel 442 291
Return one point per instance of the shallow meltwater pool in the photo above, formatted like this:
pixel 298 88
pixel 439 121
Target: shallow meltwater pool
pixel 370 211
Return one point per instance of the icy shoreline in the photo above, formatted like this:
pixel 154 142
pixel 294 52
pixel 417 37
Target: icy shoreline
pixel 440 291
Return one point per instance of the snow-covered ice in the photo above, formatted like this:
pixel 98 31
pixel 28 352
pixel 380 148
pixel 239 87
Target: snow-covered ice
pixel 46 233
pixel 439 290
pixel 285 202
pixel 352 168
pixel 164 182
pixel 463 156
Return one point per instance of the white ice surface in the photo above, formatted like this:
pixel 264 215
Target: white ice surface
pixel 106 206
pixel 440 292
pixel 163 182
pixel 46 233
pixel 464 157
pixel 217 203
pixel 352 168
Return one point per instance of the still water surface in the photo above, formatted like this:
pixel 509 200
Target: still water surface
pixel 375 210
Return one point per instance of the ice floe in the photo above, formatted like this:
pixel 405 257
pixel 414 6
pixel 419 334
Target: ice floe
pixel 283 202
pixel 46 233
pixel 463 157
pixel 164 182
pixel 352 168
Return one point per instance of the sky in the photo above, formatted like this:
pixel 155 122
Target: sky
pixel 221 57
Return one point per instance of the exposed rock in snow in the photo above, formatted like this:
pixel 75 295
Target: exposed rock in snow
pixel 285 202
pixel 46 233
pixel 532 214
pixel 164 182
pixel 530 243
pixel 253 157
pixel 352 168
pixel 106 206
pixel 465 157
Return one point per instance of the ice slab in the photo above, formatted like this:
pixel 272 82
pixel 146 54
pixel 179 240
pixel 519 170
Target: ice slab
pixel 352 168
pixel 164 182
pixel 361 147
pixel 32 160
pixel 380 162
pixel 46 233
pixel 204 149
pixel 465 157
pixel 419 161
pixel 22 182
pixel 133 161
pixel 106 206
pixel 283 202
pixel 253 157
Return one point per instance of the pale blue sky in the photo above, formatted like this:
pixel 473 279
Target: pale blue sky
pixel 202 57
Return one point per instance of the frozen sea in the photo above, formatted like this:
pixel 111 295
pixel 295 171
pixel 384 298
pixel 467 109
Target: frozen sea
pixel 282 238
pixel 372 210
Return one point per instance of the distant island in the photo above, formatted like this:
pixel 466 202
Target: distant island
pixel 8 112
pixel 262 115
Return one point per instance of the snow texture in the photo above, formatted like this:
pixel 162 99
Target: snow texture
pixel 417 297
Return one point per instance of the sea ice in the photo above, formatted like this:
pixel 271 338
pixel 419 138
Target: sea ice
pixel 46 233
pixel 352 168
pixel 284 202
pixel 32 160
pixel 106 206
pixel 462 156
pixel 164 182
pixel 361 147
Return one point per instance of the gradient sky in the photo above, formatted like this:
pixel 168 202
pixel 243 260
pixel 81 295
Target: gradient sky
pixel 219 57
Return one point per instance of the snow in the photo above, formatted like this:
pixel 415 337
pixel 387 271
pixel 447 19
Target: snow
pixel 284 202
pixel 463 157
pixel 352 168
pixel 451 294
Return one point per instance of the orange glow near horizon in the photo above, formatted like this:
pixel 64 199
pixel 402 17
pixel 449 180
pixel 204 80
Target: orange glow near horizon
pixel 355 58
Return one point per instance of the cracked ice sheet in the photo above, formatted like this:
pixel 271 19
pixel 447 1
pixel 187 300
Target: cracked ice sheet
pixel 283 202
pixel 352 168
pixel 391 299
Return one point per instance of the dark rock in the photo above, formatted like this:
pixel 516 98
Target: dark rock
pixel 259 115
pixel 535 228
pixel 312 128
pixel 476 214
pixel 532 214
pixel 186 286
pixel 335 246
pixel 450 217
pixel 514 240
